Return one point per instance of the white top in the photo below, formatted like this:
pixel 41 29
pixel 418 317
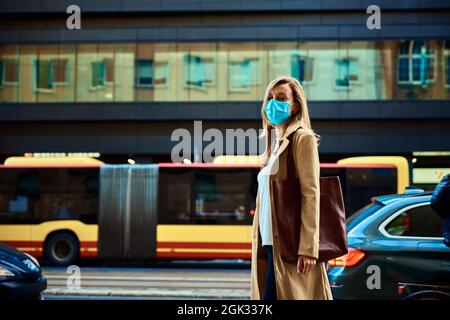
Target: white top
pixel 265 217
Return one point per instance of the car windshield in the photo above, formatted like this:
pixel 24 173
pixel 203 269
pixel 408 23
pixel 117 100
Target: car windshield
pixel 362 214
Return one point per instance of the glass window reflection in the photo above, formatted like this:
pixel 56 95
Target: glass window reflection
pixel 446 64
pixel 224 71
pixel 416 63
pixel 346 72
pixel 9 73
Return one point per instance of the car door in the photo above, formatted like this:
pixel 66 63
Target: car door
pixel 434 253
pixel 420 223
pixel 419 226
pixel 435 260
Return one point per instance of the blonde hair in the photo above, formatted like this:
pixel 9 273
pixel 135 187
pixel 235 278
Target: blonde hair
pixel 299 115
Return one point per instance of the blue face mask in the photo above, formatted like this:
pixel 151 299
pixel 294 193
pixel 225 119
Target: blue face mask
pixel 277 111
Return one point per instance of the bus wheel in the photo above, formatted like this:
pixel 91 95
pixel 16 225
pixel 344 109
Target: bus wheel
pixel 62 249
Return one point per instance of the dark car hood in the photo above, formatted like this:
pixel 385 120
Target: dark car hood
pixel 13 260
pixel 9 252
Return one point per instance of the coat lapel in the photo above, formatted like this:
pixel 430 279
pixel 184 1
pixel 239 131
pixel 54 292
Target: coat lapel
pixel 295 125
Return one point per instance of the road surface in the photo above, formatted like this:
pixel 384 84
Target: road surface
pixel 148 283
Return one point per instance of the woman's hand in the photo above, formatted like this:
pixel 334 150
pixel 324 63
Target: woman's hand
pixel 305 264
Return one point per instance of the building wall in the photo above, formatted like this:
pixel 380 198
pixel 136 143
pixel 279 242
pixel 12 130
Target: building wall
pixel 373 115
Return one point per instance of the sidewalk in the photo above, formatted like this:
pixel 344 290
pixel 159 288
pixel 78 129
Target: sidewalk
pixel 175 283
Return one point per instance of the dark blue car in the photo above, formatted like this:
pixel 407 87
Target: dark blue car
pixel 396 251
pixel 20 275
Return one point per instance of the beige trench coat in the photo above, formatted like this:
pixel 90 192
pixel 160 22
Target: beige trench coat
pixel 289 284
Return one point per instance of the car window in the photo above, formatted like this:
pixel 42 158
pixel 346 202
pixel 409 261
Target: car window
pixel 419 221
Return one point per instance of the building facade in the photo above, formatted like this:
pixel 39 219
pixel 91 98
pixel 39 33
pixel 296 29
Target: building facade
pixel 138 70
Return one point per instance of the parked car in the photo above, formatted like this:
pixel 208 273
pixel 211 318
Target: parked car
pixel 396 251
pixel 20 275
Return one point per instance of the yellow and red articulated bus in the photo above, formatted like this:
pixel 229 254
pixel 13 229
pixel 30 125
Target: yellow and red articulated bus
pixel 69 208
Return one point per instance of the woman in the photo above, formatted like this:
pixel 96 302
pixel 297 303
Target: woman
pixel 285 115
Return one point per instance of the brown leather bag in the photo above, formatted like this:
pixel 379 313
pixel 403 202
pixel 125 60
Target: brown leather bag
pixel 287 206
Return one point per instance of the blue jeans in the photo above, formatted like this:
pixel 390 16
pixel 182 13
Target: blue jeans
pixel 270 290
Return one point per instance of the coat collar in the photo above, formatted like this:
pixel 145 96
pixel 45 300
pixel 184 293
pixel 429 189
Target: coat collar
pixel 292 127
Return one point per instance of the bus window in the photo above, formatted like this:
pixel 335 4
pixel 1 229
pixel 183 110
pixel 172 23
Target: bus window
pixel 38 195
pixel 16 200
pixel 361 184
pixel 175 196
pixel 90 181
pixel 224 196
pixel 67 194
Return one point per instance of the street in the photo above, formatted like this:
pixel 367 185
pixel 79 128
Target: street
pixel 186 282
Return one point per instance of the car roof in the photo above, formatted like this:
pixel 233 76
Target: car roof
pixel 383 206
pixel 409 193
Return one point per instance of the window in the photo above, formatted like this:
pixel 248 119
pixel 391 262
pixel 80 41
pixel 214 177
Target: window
pixel 44 74
pixel 419 221
pixel 243 74
pixel 199 72
pixel 446 58
pixel 102 72
pixel 346 72
pixel 415 63
pixel 2 72
pixel 98 73
pixel 363 183
pixel 175 196
pixel 109 67
pixel 9 71
pixel 144 72
pixel 330 70
pixel 38 195
pixel 224 198
pixel 61 70
pixel 302 68
pixel 16 197
pixel 51 72
pixel 149 73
